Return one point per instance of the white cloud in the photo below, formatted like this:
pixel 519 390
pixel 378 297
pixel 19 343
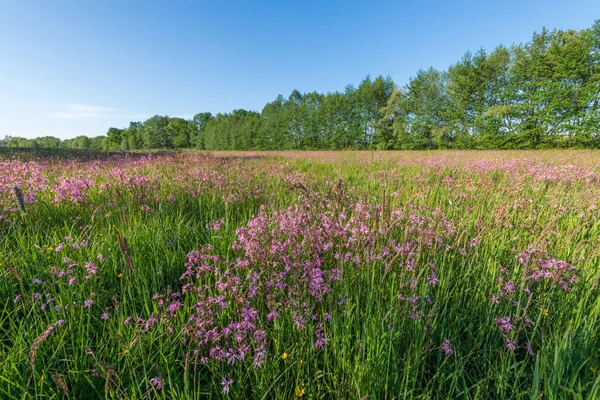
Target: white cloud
pixel 78 111
pixel 88 111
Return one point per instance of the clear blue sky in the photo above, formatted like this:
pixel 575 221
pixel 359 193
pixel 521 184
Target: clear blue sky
pixel 80 66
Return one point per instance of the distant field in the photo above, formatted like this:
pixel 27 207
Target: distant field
pixel 335 275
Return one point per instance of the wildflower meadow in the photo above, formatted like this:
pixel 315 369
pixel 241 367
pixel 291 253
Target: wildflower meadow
pixel 316 275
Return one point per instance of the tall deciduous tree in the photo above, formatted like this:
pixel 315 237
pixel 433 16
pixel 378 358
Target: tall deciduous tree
pixel 199 122
pixel 426 108
pixel 113 137
pixel 154 133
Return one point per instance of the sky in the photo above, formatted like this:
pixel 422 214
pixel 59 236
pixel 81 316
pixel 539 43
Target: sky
pixel 78 67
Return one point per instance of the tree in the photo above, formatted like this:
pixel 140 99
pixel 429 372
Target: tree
pixel 21 143
pixel 343 119
pixel 83 142
pixel 199 123
pixel 113 137
pixel 48 142
pixel 591 121
pixel 390 129
pixel 371 97
pixel 238 130
pixel 130 138
pixel 426 106
pixel 273 132
pixel 181 132
pixel 154 133
pixel 97 143
pixel 571 61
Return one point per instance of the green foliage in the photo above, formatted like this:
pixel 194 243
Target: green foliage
pixel 237 130
pixel 114 138
pixel 154 133
pixel 181 131
pixel 130 137
pixel 199 124
pixel 541 94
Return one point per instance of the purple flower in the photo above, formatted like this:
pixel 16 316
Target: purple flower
pixel 91 269
pixel 157 383
pixel 174 306
pixel 529 349
pixel 511 344
pixel 226 383
pixel 272 315
pixel 509 287
pixel 299 321
pixel 447 347
pixel 432 279
pixel 504 324
pixel 321 341
pixel 259 358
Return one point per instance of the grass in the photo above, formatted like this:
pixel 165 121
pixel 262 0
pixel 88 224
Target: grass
pixel 314 275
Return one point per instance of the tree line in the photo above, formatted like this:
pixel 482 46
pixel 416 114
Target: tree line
pixel 541 94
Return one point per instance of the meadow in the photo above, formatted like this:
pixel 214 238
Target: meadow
pixel 319 275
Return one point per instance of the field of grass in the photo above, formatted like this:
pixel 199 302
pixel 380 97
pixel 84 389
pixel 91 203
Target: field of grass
pixel 350 275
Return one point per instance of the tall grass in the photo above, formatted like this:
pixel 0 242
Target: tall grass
pixel 315 275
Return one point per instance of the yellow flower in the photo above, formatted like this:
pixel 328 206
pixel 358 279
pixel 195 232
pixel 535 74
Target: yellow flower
pixel 119 275
pixel 299 392
pixel 284 356
pixel 544 312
